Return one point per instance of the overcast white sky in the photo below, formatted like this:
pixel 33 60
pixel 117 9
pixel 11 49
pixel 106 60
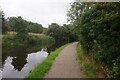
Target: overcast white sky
pixel 44 12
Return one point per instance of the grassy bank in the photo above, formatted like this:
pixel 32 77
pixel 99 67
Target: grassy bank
pixel 90 67
pixel 32 42
pixel 42 68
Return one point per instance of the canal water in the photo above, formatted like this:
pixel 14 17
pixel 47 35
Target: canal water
pixel 19 64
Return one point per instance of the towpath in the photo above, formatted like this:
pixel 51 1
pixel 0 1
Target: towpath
pixel 66 64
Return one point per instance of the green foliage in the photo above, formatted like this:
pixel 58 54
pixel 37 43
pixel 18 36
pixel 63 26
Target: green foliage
pixel 55 31
pixel 98 29
pixel 77 9
pixel 30 26
pixel 20 28
pixel 74 15
pixel 4 23
pixel 86 64
pixel 101 30
pixel 34 27
pixel 32 43
pixel 101 34
pixel 40 40
pixel 116 68
pixel 7 41
pixel 42 68
pixel 70 32
pixel 62 34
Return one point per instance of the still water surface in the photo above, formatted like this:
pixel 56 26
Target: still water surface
pixel 20 65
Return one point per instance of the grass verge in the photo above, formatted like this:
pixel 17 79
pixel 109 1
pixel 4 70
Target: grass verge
pixel 90 67
pixel 42 68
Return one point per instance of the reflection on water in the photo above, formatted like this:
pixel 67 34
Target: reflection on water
pixel 20 65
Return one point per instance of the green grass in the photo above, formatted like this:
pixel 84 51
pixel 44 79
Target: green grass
pixel 42 68
pixel 90 67
pixel 85 63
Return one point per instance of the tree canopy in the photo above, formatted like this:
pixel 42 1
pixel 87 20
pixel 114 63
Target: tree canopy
pixel 98 30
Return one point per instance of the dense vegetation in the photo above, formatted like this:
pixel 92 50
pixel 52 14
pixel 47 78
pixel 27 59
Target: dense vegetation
pixel 21 37
pixel 4 23
pixel 9 24
pixel 62 34
pixel 31 27
pixel 9 41
pixel 90 68
pixel 95 25
pixel 98 31
pixel 21 32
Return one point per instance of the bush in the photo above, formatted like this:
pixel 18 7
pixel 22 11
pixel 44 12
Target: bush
pixel 100 33
pixel 116 68
pixel 40 40
pixel 32 42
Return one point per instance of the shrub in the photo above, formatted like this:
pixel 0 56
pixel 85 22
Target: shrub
pixel 116 68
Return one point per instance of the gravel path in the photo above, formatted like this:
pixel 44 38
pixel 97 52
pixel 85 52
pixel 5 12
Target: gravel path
pixel 66 65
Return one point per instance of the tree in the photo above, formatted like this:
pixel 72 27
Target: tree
pixel 54 31
pixel 34 27
pixel 31 27
pixel 70 32
pixel 62 34
pixel 4 24
pixel 77 9
pixel 98 29
pixel 20 27
pixel 75 12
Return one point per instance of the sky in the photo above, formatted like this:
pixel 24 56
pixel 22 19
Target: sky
pixel 43 12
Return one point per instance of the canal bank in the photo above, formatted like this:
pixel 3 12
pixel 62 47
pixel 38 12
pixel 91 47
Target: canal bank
pixel 41 69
